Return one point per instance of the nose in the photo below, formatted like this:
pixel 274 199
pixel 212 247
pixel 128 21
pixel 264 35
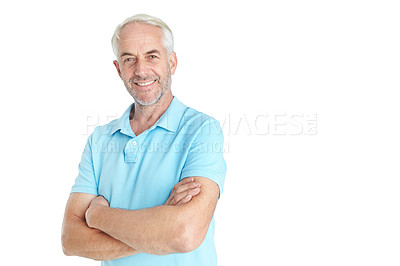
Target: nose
pixel 140 68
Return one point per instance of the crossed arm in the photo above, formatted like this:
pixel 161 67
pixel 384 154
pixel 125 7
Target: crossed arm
pixel 94 230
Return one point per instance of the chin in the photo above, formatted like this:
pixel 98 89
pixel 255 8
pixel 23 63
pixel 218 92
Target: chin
pixel 147 102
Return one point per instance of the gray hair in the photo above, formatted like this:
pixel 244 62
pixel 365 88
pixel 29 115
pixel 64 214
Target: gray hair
pixel 168 38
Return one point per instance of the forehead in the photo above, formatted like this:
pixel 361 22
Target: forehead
pixel 139 37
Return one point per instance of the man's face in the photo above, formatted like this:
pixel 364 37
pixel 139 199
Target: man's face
pixel 143 63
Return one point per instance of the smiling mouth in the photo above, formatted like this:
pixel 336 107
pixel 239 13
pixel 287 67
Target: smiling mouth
pixel 143 84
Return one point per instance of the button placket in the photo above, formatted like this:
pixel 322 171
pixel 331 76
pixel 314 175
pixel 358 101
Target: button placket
pixel 131 149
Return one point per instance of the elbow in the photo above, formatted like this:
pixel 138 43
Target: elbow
pixel 66 246
pixel 67 252
pixel 183 244
pixel 187 240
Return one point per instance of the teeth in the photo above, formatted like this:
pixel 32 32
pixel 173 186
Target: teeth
pixel 145 83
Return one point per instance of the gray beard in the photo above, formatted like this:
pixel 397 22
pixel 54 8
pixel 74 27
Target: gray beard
pixel 143 103
pixel 164 87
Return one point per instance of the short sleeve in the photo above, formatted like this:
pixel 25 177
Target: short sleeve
pixel 86 181
pixel 205 155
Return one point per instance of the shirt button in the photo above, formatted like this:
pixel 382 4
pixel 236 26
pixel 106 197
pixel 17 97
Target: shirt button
pixel 134 143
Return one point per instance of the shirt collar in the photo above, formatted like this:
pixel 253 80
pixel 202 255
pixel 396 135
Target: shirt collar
pixel 172 116
pixel 169 120
pixel 122 123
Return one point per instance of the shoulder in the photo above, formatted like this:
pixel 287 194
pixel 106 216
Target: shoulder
pixel 104 132
pixel 105 129
pixel 193 120
pixel 119 124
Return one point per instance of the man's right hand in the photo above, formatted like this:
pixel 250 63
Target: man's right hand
pixel 183 192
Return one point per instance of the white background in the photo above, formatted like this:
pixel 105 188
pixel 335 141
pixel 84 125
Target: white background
pixel 291 198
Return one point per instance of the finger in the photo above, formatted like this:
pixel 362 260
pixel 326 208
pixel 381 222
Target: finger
pixel 190 195
pixel 187 186
pixel 185 199
pixel 194 192
pixel 187 179
pixel 183 181
pixel 185 196
pixel 177 197
pixel 181 198
pixel 178 186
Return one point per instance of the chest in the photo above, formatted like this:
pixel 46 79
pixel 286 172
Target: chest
pixel 140 174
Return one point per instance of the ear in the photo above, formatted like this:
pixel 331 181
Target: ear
pixel 173 62
pixel 116 64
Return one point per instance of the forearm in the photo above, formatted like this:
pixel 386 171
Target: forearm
pixel 158 230
pixel 163 229
pixel 80 240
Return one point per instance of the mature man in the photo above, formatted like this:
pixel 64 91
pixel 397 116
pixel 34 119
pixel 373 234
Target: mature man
pixel 149 181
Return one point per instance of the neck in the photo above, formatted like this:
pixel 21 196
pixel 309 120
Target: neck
pixel 143 117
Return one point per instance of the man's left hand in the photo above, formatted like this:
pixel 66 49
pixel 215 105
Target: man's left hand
pixel 183 192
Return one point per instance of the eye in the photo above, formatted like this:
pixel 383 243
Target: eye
pixel 153 56
pixel 128 60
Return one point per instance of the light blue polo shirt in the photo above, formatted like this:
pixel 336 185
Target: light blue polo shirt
pixel 136 172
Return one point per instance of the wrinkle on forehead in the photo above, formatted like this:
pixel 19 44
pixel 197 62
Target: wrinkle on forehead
pixel 139 38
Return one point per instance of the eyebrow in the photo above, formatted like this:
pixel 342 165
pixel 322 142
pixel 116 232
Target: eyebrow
pixel 154 51
pixel 124 54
